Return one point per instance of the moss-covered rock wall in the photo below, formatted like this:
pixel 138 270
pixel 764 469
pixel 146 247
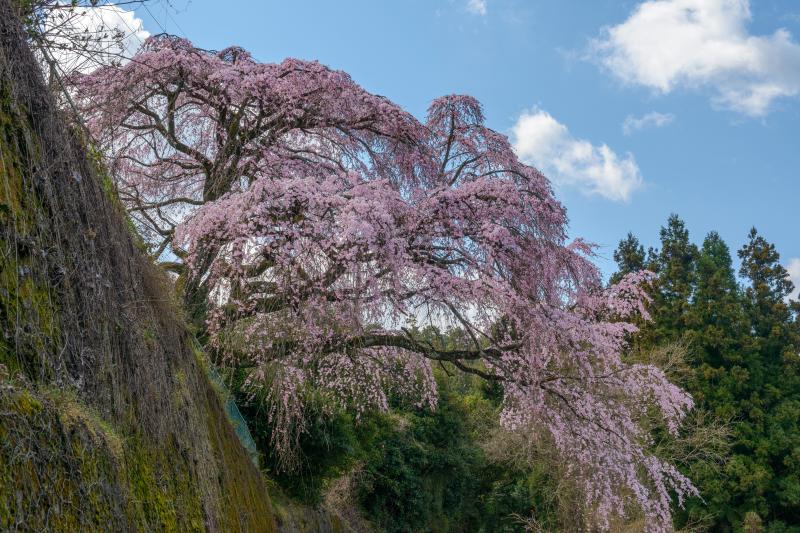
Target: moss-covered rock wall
pixel 107 419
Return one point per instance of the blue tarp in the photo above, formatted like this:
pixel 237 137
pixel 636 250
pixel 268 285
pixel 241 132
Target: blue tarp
pixel 235 416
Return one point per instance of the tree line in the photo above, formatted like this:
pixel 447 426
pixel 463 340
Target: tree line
pixel 743 339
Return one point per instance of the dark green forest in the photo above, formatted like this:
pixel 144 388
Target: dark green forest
pixel 743 347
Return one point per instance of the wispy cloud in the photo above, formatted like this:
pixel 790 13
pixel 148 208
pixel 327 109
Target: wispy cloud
pixel 653 119
pixel 540 140
pixel 793 266
pixel 476 7
pixel 667 44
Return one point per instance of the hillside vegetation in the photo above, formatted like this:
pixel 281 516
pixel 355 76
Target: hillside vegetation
pixel 107 418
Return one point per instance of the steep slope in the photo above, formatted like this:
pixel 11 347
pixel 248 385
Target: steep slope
pixel 107 418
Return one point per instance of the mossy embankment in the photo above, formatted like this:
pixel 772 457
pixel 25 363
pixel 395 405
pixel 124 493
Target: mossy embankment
pixel 107 420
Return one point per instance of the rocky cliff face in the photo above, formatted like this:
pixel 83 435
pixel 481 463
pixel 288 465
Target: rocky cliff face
pixel 107 418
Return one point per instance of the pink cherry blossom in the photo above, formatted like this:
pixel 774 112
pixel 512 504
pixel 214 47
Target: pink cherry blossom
pixel 319 220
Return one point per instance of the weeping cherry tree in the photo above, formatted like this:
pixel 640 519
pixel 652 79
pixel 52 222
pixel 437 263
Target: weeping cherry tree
pixel 311 222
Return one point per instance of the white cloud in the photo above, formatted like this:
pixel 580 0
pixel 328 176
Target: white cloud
pixel 666 44
pixel 542 141
pixel 654 118
pixel 794 272
pixel 111 34
pixel 477 7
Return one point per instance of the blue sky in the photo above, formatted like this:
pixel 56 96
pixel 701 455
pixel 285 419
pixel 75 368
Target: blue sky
pixel 710 88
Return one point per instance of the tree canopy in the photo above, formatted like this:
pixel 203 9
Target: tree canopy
pixel 311 221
